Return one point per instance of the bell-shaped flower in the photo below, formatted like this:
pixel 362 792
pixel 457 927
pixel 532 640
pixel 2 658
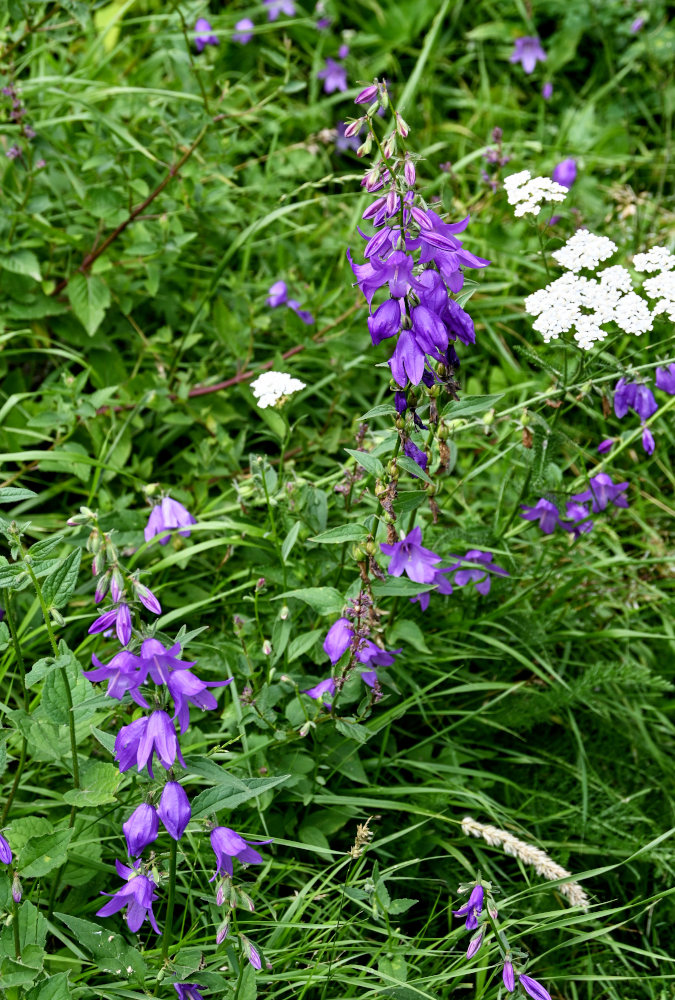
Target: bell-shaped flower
pixel 323 691
pixel 385 322
pixel 5 851
pixel 174 809
pixel 479 574
pixel 665 379
pixel 602 491
pixel 546 512
pixel 120 617
pixel 204 35
pixel 409 556
pixel 167 516
pixel 188 991
pixel 125 672
pixel 533 988
pixel 137 895
pixel 227 845
pixel 509 977
pixel 472 908
pixel 141 829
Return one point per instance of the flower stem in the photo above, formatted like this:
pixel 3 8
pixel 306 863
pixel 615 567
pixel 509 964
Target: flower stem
pixel 168 929
pixel 15 928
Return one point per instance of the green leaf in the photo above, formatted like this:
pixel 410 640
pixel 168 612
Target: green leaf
pixel 14 973
pixel 412 468
pixel 98 783
pixel 60 585
pixel 382 410
pixel 471 405
pixel 39 670
pixel 41 855
pixel 21 262
pixel 301 645
pixel 401 905
pixel 248 989
pixel 323 600
pixel 341 533
pixel 369 462
pixel 110 951
pixel 290 540
pixel 56 987
pixel 408 500
pixel 13 494
pixel 399 587
pixel 90 297
pixel 409 632
pixel 353 730
pixel 231 792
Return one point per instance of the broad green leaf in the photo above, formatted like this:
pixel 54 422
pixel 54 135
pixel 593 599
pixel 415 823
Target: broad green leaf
pixel 382 410
pixel 60 585
pixel 42 854
pixel 399 587
pixel 301 645
pixel 248 988
pixel 90 297
pixel 14 973
pixel 369 462
pixel 410 632
pixel 470 405
pixel 21 262
pixel 56 987
pixel 353 730
pixel 341 533
pixel 98 783
pixel 110 951
pixel 412 468
pixel 228 794
pixel 323 600
pixel 13 494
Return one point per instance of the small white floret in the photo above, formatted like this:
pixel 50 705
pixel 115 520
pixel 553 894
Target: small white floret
pixel 274 388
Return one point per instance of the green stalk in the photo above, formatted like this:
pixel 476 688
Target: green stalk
pixel 168 929
pixel 15 928
pixel 24 694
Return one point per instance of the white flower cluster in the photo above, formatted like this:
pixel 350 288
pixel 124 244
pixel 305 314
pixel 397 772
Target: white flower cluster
pixel 272 388
pixel 576 303
pixel 655 259
pixel 527 192
pixel 662 285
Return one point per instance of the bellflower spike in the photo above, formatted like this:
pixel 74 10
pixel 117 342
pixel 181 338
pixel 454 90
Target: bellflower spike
pixel 120 617
pixel 204 35
pixel 472 907
pixel 533 988
pixel 174 809
pixel 276 7
pixel 409 556
pixel 480 576
pixel 602 492
pixel 188 991
pixel 141 829
pixel 227 844
pixel 321 690
pixel 665 379
pixel 5 851
pixel 528 52
pixel 138 895
pixel 334 76
pixel 565 173
pixel 508 977
pixel 546 513
pixel 278 294
pixel 243 31
pixel 166 516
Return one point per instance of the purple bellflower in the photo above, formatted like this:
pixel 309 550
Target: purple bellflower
pixel 665 379
pixel 5 851
pixel 637 25
pixel 303 314
pixel 278 294
pixel 344 142
pixel 634 396
pixel 475 943
pixel 602 491
pixel 166 516
pixel 136 743
pixel 418 456
pixel 243 31
pixel 174 809
pixel 472 907
pixel 120 617
pixel 648 442
pixel 565 173
pixel 164 667
pixel 578 515
pixel 508 977
pixel 441 585
pixel 546 513
pixel 204 35
pixel 409 556
pixel 276 7
pixel 480 574
pixel 141 829
pixel 122 676
pixel 547 91
pixel 137 895
pixel 322 691
pixel 334 76
pixel 188 991
pixel 533 988
pixel 227 844
pixel 528 52
pixel 605 445
pixel 367 95
pixel 147 598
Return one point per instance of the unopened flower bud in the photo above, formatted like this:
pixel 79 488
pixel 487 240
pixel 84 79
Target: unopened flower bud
pixel 94 542
pixel 98 563
pixel 409 173
pixel 392 201
pixel 102 585
pixel 284 613
pixel 353 127
pixel 110 549
pixel 223 930
pixel 16 889
pixel 389 145
pixel 366 95
pixel 474 944
pixel 383 95
pixel 401 126
pixel 489 418
pixel 116 585
pixel 365 147
pixel 260 583
pixel 267 647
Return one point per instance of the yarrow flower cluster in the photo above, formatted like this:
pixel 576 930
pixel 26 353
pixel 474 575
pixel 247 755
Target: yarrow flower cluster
pixel 527 193
pixel 274 388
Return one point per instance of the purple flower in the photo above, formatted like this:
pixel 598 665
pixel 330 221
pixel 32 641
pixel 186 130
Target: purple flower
pixel 243 32
pixel 605 445
pixel 475 943
pixel 547 91
pixel 138 895
pixel 508 977
pixel 124 673
pixel 634 396
pixel 665 379
pixel 136 743
pixel 343 52
pixel 276 7
pixel 528 52
pixel 366 95
pixel 174 809
pixel 120 617
pixel 578 515
pixel 204 34
pixel 409 556
pixel 184 687
pixel 141 829
pixel 278 294
pixel 334 76
pixel 637 25
pixel 227 844
pixel 251 953
pixel 303 314
pixel 338 639
pixel 648 442
pixel 535 989
pixel 546 513
pixel 13 153
pixel 370 654
pixel 602 492
pixel 442 586
pixel 472 907
pixel 5 851
pixel 418 456
pixel 400 402
pixel 478 575
pixel 396 271
pixel 166 516
pixel 320 690
pixel 147 598
pixel 565 172
pixel 188 991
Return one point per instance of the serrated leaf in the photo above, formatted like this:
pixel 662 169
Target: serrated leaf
pixel 13 494
pixel 56 987
pixel 471 405
pixel 41 855
pixel 323 600
pixel 341 533
pixel 90 297
pixel 369 462
pixel 21 262
pixel 230 792
pixel 39 670
pixel 60 585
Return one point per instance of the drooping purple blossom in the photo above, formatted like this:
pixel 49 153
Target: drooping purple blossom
pixel 124 673
pixel 578 523
pixel 418 456
pixel 634 396
pixel 141 829
pixel 227 845
pixel 334 76
pixel 472 908
pixel 565 172
pixel 544 511
pixel 409 556
pixel 648 442
pixel 120 617
pixel 136 743
pixel 528 52
pixel 601 492
pixel 204 34
pixel 188 991
pixel 276 7
pixel 174 809
pixel 343 52
pixel 480 574
pixel 665 379
pixel 323 691
pixel 167 516
pixel 278 294
pixel 508 977
pixel 303 314
pixel 137 895
pixel 533 988
pixel 243 31
pixel 441 586
pixel 5 851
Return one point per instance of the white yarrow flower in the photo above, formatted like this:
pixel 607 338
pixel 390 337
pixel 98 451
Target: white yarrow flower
pixel 527 193
pixel 584 250
pixel 655 259
pixel 274 388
